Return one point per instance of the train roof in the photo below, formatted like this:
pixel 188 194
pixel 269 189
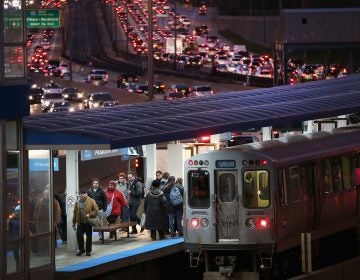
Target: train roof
pixel 290 149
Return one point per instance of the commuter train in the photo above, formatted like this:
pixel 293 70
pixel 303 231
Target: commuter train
pixel 246 206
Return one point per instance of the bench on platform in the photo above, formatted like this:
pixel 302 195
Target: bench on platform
pixel 114 227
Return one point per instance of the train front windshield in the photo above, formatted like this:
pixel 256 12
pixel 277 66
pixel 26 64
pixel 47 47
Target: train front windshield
pixel 199 189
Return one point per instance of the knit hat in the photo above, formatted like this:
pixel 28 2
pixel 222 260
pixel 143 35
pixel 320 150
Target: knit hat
pixel 155 183
pixel 112 183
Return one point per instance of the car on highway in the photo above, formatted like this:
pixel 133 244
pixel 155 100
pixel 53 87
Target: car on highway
pixel 52 88
pixel 178 91
pixel 96 80
pixel 142 89
pixel 72 94
pixel 48 98
pixel 99 72
pixel 201 91
pixel 159 87
pixel 35 94
pixel 124 78
pixel 63 106
pixel 97 99
pixel 202 10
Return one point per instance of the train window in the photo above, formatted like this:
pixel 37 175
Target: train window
pixel 198 189
pixel 256 193
pixel 336 174
pixel 355 170
pixel 346 172
pixel 282 187
pixel 327 177
pixel 294 184
pixel 310 179
pixel 227 187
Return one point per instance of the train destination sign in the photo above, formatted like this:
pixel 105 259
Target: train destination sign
pixel 49 18
pixel 225 163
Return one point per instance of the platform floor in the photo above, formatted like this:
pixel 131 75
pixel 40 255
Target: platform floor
pixel 123 252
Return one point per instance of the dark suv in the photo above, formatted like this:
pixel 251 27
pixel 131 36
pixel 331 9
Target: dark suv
pixel 98 99
pixel 178 91
pixel 125 78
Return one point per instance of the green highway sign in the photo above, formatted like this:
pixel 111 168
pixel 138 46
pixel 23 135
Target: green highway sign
pixel 49 18
pixel 12 19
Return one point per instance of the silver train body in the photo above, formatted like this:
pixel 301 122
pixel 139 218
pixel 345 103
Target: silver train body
pixel 248 203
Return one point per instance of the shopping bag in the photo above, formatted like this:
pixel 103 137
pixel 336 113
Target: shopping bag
pixel 142 222
pixel 95 222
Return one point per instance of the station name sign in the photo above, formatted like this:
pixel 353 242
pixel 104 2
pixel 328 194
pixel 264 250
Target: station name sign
pixel 45 18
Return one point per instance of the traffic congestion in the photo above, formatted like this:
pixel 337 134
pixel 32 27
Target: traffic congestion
pixel 182 40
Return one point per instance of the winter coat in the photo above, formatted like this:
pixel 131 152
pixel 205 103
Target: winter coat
pixel 135 188
pixel 118 201
pixel 41 214
pixel 167 189
pixel 154 208
pixel 99 196
pixel 90 207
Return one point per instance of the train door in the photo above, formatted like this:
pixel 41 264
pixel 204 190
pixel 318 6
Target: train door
pixel 227 205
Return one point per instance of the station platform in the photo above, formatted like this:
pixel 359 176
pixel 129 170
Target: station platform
pixel 113 254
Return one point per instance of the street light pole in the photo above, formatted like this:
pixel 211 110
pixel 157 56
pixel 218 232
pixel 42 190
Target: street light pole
pixel 175 35
pixel 127 29
pixel 69 40
pixel 150 53
pixel 264 18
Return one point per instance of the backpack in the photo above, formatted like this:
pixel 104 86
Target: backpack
pixel 175 196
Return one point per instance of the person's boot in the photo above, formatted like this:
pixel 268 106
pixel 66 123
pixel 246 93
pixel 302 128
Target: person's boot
pixel 134 230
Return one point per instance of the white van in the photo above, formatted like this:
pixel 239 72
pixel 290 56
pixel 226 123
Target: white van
pixel 48 98
pixel 99 72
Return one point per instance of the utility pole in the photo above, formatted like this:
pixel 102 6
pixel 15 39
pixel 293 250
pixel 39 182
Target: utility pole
pixel 69 40
pixel 150 53
pixel 175 35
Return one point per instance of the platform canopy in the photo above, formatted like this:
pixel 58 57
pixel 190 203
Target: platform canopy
pixel 160 121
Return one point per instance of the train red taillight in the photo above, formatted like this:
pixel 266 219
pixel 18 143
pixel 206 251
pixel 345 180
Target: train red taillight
pixel 261 223
pixel 195 222
pixel 257 223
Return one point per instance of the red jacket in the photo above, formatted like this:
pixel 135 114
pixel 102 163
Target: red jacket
pixel 118 202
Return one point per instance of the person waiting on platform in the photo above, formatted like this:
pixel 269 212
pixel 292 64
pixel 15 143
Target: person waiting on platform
pixel 134 191
pixel 84 209
pixel 121 185
pixel 154 207
pixel 118 201
pixel 14 234
pixel 98 194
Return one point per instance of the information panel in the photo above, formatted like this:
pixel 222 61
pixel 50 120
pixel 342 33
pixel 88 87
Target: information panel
pixel 49 18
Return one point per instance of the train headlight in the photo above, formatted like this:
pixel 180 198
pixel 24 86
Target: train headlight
pixel 204 223
pixel 195 222
pixel 250 223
